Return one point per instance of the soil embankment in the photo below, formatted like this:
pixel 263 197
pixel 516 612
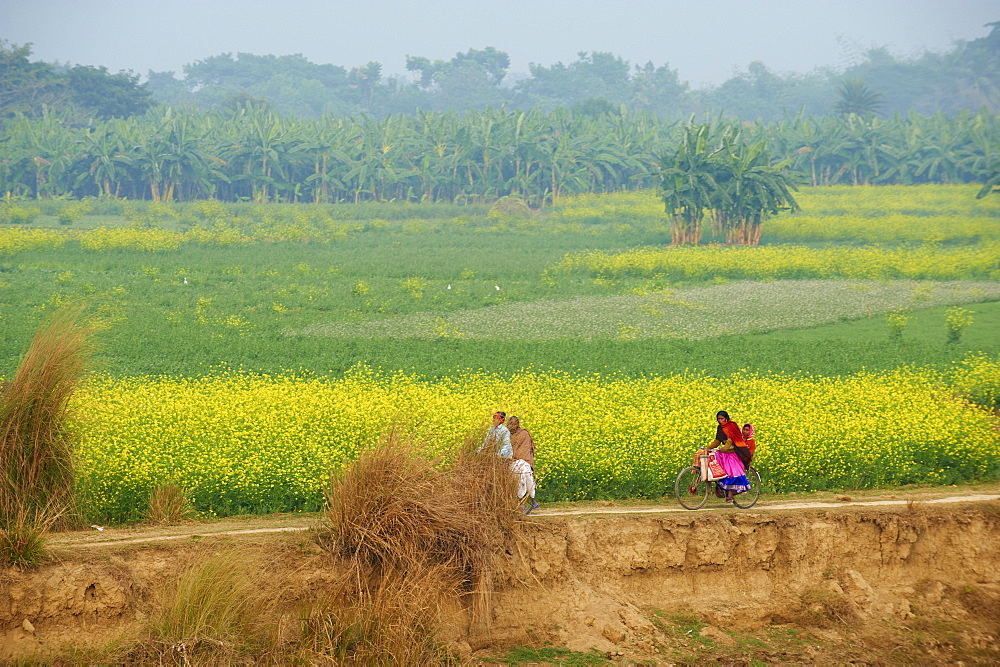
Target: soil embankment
pixel 890 581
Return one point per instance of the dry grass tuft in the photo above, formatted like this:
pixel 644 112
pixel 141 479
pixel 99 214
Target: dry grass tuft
pixel 396 508
pixel 914 505
pixel 36 449
pixel 414 532
pixel 821 608
pixel 213 612
pixel 393 623
pixel 512 207
pixel 22 538
pixel 484 491
pixel 169 505
pixel 384 509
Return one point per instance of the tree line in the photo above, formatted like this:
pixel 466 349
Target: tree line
pixel 31 88
pixel 257 154
pixel 965 78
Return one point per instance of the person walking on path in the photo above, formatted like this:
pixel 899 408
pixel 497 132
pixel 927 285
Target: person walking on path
pixel 497 440
pixel 523 446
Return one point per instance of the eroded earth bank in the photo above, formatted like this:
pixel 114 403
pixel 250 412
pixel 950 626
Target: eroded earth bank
pixel 908 584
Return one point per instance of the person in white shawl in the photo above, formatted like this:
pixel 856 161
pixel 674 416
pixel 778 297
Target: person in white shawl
pixel 523 446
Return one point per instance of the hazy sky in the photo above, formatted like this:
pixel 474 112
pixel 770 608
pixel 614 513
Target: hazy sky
pixel 704 40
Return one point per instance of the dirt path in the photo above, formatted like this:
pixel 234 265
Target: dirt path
pixel 281 523
pixel 766 507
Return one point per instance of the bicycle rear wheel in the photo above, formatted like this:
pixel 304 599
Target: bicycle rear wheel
pixel 749 498
pixel 687 479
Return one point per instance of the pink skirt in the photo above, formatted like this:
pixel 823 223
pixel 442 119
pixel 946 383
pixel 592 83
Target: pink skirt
pixel 731 463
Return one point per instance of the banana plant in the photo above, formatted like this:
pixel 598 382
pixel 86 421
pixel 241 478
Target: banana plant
pixel 689 184
pixel 756 190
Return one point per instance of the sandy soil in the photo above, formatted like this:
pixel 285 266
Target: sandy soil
pixel 877 577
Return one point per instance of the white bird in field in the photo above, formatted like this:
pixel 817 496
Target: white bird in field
pixel 496 287
pixel 185 280
pixel 449 286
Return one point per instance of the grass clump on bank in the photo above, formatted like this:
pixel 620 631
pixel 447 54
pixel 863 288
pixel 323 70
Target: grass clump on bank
pixel 219 610
pixel 36 448
pixel 168 505
pixel 416 535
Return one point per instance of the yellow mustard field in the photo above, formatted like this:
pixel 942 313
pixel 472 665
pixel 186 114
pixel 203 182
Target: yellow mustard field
pixel 883 214
pixel 247 443
pixel 19 239
pixel 927 262
pixel 890 215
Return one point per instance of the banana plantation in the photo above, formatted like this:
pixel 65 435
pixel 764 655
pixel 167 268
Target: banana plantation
pixel 256 154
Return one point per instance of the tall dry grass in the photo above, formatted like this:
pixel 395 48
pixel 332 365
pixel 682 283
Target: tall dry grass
pixel 415 533
pixel 215 611
pixel 36 448
pixel 391 623
pixel 169 505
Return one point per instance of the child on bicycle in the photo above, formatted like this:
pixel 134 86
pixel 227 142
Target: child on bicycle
pixel 751 441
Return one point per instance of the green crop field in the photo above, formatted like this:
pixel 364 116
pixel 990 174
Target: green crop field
pixel 235 339
pixel 587 286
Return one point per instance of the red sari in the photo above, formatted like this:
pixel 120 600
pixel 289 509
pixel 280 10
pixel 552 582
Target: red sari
pixel 735 479
pixel 734 433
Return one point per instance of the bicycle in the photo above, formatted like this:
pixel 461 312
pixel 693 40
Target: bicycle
pixel 690 477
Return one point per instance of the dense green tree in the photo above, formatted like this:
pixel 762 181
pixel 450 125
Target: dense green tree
pixel 967 77
pixel 470 80
pixel 690 181
pixel 593 75
pixel 27 87
pixel 364 80
pixel 108 95
pixel 399 96
pixel 42 155
pixel 167 89
pixel 248 69
pixel 489 64
pixel 289 84
pixel 257 153
pixel 971 79
pixel 756 188
pixel 660 90
pixel 595 107
pixel 757 93
pixel 106 149
pixel 719 172
pixel 964 78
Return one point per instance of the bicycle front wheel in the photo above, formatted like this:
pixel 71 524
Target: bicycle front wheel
pixel 687 479
pixel 749 498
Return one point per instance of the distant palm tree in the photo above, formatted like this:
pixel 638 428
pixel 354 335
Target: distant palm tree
pixel 857 98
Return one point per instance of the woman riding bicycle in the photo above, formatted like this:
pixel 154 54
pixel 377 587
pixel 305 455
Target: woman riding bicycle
pixel 733 455
pixel 723 466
